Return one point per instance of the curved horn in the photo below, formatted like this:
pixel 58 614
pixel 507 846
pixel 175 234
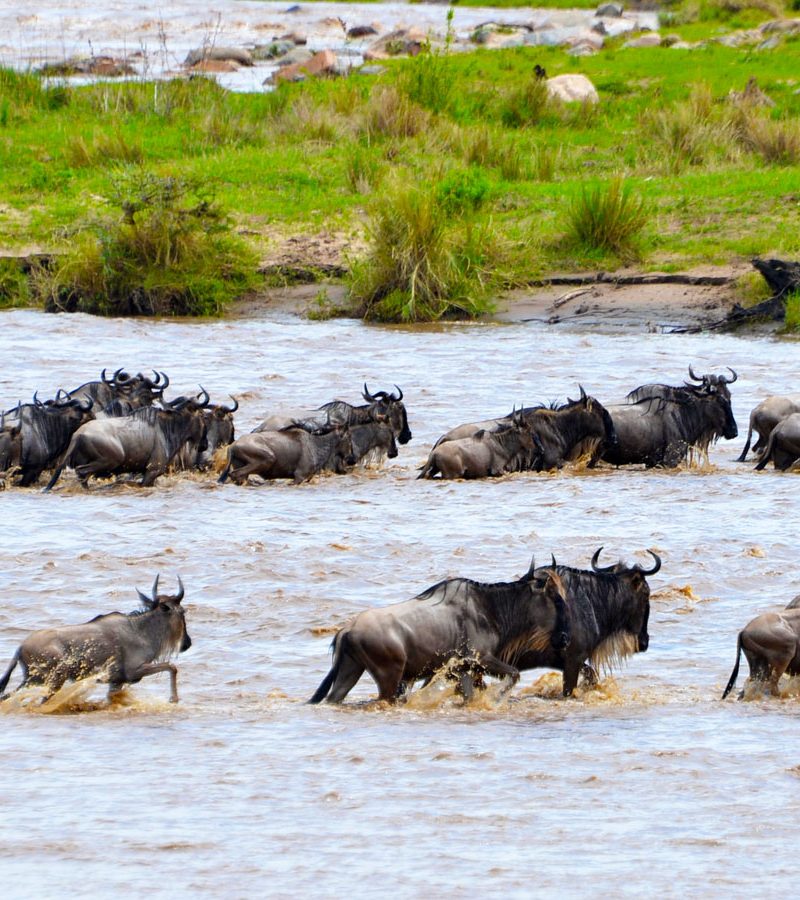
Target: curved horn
pixel 553 562
pixel 120 377
pixel 156 377
pixel 145 601
pixel 399 395
pixel 583 392
pixel 165 382
pixel 205 402
pixel 179 595
pixel 655 568
pixel 366 394
pixel 155 589
pixel 595 567
pixel 531 567
pixel 59 392
pixel 231 409
pixel 104 379
pixel 729 380
pixel 693 376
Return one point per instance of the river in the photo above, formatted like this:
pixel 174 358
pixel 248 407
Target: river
pixel 647 784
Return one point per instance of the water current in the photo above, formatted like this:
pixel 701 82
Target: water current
pixel 648 784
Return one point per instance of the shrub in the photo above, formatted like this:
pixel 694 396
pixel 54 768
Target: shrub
pixel 608 219
pixel 428 79
pixel 172 252
pixel 423 264
pixel 362 168
pixel 776 141
pixel 488 147
pixel 792 320
pixel 462 192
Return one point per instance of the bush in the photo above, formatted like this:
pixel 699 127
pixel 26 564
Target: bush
pixel 526 105
pixel 424 264
pixel 390 113
pixel 777 142
pixel 172 252
pixel 792 320
pixel 608 219
pixel 462 192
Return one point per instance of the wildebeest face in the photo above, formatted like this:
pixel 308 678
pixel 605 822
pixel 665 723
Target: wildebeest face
pixel 640 614
pixel 730 429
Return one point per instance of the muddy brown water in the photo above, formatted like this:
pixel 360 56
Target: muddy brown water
pixel 648 783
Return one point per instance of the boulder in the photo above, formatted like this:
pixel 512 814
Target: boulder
pixel 215 66
pixel 610 10
pixel 322 63
pixel 273 50
pixel 649 39
pixel 780 26
pixel 104 66
pixel 401 42
pixel 752 95
pixel 298 38
pixel 360 31
pixel 300 55
pixel 572 89
pixel 229 54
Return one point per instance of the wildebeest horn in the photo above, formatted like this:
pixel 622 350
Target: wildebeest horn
pixel 583 392
pixel 103 377
pixel 531 567
pixel 230 409
pixel 156 377
pixel 553 562
pixel 366 394
pixel 155 589
pixel 179 595
pixel 121 377
pixel 165 381
pixel 36 400
pixel 145 601
pixel 595 567
pixel 655 568
pixel 725 380
pixel 399 396
pixel 205 402
pixel 693 376
pixel 80 406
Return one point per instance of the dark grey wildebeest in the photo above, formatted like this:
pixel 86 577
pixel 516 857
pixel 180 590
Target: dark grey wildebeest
pixel 485 454
pixel 372 442
pixel 490 625
pixel 119 648
pixel 290 453
pixel 147 441
pixel 608 609
pixel 783 445
pixel 771 644
pixel 765 417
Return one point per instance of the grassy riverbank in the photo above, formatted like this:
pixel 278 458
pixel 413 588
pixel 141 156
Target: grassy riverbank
pixel 715 181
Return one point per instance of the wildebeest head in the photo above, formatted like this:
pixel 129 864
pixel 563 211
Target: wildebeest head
pixel 637 614
pixel 552 587
pixel 720 382
pixel 391 405
pixel 173 613
pixel 596 421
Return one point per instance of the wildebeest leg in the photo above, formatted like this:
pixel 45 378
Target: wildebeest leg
pixel 150 475
pixel 153 669
pixel 350 670
pixel 572 669
pixel 589 674
pixel 498 668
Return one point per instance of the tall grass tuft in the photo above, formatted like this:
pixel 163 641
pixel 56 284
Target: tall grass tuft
pixel 488 147
pixel 423 264
pixel 776 141
pixel 427 79
pixel 13 284
pixel 390 113
pixel 609 219
pixel 171 252
pixel 362 169
pixel 527 104
pixel 103 149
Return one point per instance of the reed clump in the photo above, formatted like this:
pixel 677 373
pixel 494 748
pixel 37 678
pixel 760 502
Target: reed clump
pixel 608 219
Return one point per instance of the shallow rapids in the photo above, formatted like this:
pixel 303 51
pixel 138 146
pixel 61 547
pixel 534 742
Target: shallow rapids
pixel 646 782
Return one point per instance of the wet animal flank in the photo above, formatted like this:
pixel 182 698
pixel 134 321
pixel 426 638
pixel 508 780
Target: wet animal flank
pixel 119 648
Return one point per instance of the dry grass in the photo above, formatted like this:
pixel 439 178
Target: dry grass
pixel 102 149
pixel 390 113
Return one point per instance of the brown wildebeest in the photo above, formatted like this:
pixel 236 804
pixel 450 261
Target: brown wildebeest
pixel 765 417
pixel 771 644
pixel 489 624
pixel 120 648
pixel 783 445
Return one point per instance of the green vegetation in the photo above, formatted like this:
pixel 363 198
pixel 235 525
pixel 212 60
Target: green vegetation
pixel 457 168
pixel 792 320
pixel 169 253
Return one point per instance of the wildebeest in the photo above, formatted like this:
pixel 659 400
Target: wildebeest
pixel 660 423
pixel 490 624
pixel 120 648
pixel 765 417
pixel 44 432
pixel 608 610
pixel 669 392
pixel 380 406
pixel 219 433
pixel 132 391
pixel 483 455
pixel 372 442
pixel 771 644
pixel 565 433
pixel 10 444
pixel 146 441
pixel 783 445
pixel 290 453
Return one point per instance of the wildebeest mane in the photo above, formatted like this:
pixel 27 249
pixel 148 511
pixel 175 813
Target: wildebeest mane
pixel 343 413
pixel 53 429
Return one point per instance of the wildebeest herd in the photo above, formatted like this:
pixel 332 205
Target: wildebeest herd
pixel 555 616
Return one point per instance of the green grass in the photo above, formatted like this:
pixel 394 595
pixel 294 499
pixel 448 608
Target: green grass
pixel 718 185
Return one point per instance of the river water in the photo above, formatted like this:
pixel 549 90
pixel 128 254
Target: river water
pixel 647 784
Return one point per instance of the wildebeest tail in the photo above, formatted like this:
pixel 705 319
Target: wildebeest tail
pixel 743 455
pixel 327 682
pixel 227 470
pixel 429 469
pixel 735 672
pixel 9 670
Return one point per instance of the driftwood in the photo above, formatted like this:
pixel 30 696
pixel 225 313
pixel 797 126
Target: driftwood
pixel 652 278
pixel 783 278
